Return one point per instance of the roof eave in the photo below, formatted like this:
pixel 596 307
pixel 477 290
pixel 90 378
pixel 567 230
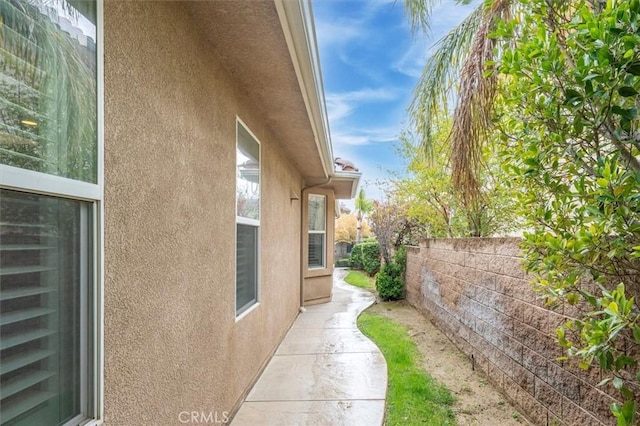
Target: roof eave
pixel 296 18
pixel 350 178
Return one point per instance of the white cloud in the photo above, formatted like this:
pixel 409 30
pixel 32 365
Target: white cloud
pixel 341 105
pixel 366 94
pixel 363 136
pixel 413 60
pixel 449 14
pixel 337 109
pixel 337 33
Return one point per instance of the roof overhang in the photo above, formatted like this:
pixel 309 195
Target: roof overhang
pixel 270 49
pixel 344 184
pixel 296 18
pixel 299 29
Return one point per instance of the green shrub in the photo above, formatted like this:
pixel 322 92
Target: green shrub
pixel 390 279
pixel 366 256
pixel 572 151
pixel 355 261
pixel 370 257
pixel 401 260
pixel 389 283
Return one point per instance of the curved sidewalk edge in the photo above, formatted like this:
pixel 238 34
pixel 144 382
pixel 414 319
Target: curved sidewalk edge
pixel 325 371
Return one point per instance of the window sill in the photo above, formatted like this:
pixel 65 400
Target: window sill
pixel 83 421
pixel 318 272
pixel 247 312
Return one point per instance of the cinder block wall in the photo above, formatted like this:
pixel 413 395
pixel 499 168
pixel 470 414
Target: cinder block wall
pixel 475 291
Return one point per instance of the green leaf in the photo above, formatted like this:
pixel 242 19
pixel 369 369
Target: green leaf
pixel 615 409
pixel 572 97
pixel 535 54
pixel 626 113
pixel 636 334
pixel 627 393
pixel 628 412
pixel 606 360
pixel 624 361
pixel 572 298
pixel 634 68
pixel 617 191
pixel 590 298
pixel 578 125
pixel 627 91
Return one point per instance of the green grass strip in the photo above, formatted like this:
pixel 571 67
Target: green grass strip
pixel 413 397
pixel 360 279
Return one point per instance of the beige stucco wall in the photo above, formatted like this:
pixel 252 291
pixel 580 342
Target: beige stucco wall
pixel 172 342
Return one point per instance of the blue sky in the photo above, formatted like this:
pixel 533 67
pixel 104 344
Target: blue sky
pixel 370 65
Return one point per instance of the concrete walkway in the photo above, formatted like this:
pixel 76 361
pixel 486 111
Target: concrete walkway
pixel 325 372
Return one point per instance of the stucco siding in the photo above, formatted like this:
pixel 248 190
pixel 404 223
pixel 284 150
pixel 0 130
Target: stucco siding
pixel 172 342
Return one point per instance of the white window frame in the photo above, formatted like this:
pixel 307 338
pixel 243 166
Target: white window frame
pixel 240 220
pixel 323 232
pixel 45 184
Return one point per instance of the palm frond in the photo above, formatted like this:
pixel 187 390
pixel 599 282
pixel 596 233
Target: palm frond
pixel 419 13
pixel 458 71
pixel 476 98
pixel 362 204
pixel 436 85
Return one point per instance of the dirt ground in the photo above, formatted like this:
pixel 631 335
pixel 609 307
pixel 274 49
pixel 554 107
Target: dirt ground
pixel 477 401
